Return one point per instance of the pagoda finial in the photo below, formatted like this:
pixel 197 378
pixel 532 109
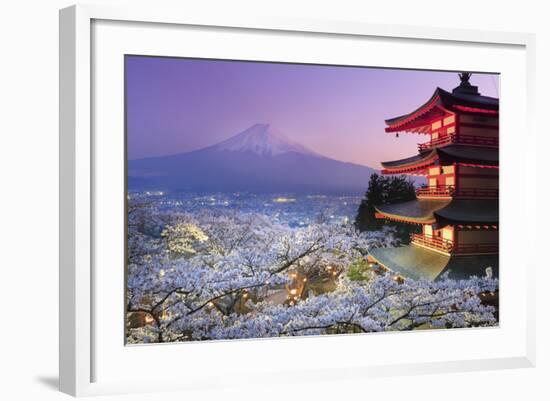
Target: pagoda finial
pixel 465 78
pixel 465 86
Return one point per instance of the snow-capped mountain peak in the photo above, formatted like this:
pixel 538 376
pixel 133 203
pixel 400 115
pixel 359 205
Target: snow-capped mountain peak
pixel 262 139
pixel 258 160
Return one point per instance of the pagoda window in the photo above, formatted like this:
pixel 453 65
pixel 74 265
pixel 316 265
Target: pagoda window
pixel 447 233
pixel 448 169
pixel 428 230
pixel 451 130
pixel 436 125
pixel 449 120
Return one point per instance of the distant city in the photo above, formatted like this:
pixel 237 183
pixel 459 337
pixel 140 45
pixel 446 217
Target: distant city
pixel 292 210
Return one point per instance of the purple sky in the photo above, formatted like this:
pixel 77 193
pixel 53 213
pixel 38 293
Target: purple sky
pixel 178 105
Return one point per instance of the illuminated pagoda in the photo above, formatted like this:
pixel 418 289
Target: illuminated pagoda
pixel 457 211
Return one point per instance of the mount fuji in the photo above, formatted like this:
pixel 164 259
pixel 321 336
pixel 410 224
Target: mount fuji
pixel 259 160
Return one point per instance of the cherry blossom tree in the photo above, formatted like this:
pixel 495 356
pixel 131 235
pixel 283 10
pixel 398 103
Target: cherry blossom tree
pixel 207 276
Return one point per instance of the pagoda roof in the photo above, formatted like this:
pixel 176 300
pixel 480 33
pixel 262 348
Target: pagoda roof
pixel 469 211
pixel 468 154
pixel 416 160
pixel 446 154
pixel 417 262
pixel 442 103
pixel 442 211
pixel 420 211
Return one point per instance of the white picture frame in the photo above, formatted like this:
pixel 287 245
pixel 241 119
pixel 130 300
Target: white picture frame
pixel 78 168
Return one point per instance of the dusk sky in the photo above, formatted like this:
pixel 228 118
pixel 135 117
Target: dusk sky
pixel 178 105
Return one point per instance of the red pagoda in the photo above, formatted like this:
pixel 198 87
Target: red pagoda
pixel 457 211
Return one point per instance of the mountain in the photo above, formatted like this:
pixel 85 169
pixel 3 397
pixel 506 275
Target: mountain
pixel 263 140
pixel 259 159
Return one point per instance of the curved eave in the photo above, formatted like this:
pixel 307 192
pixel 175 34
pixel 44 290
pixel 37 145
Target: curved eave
pixel 410 164
pixel 420 121
pixel 441 103
pixel 469 154
pixel 418 211
pixel 402 219
pixel 432 101
pixel 475 110
pixel 469 211
pixel 419 118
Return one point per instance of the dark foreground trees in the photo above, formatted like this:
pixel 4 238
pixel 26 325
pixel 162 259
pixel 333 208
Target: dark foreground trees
pixel 383 190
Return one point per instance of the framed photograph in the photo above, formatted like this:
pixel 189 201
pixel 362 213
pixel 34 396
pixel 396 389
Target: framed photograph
pixel 295 200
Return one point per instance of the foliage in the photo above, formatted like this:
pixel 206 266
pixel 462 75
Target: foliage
pixel 359 270
pixel 382 190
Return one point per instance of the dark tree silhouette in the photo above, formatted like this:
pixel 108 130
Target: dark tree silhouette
pixel 383 190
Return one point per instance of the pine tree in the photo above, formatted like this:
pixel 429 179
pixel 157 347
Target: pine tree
pixel 382 190
pixel 365 220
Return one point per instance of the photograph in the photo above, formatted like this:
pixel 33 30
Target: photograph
pixel 270 199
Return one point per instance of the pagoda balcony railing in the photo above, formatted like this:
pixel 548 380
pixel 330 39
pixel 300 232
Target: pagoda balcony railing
pixel 460 139
pixel 446 191
pixel 443 191
pixel 438 243
pixel 448 246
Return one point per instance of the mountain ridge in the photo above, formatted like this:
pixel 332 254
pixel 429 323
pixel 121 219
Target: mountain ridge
pixel 258 159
